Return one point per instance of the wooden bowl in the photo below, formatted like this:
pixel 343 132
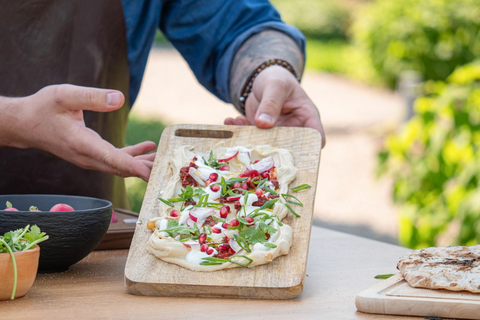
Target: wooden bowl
pixel 72 234
pixel 27 265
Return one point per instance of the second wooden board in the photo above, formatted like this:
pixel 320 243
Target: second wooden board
pixel 395 296
pixel 281 279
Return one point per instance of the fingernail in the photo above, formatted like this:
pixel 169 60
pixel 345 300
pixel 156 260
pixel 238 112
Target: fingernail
pixel 265 117
pixel 113 98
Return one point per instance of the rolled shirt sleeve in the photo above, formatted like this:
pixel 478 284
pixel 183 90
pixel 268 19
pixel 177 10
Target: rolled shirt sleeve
pixel 208 33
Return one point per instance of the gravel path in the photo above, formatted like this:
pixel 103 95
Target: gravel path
pixel 356 117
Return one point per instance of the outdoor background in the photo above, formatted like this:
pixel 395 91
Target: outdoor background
pixel 389 171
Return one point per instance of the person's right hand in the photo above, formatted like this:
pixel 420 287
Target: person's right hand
pixel 52 120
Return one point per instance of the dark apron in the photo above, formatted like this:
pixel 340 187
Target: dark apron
pixel 81 42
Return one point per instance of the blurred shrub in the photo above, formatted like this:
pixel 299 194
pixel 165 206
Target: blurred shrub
pixel 317 19
pixel 435 162
pixel 429 36
pixel 139 130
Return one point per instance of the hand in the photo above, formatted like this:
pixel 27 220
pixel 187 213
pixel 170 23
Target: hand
pixel 54 117
pixel 277 99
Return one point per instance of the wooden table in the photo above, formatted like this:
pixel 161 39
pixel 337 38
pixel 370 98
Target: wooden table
pixel 339 266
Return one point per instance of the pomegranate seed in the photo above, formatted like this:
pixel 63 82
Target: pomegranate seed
pixel 244 186
pixel 216 230
pixel 237 205
pixel 215 187
pixel 234 223
pixel 208 181
pixel 254 173
pixel 224 212
pixel 213 176
pixel 224 168
pixel 265 175
pixel 202 238
pixel 192 217
pixel 225 225
pixel 259 192
pixel 249 219
pixel 174 213
pixel 223 247
pixel 204 248
pixel 186 245
pixel 210 251
pixel 236 185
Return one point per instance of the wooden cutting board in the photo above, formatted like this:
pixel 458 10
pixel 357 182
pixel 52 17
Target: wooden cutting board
pixel 281 279
pixel 395 296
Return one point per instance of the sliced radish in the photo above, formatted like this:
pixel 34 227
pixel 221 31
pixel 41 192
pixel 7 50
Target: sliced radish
pixel 266 164
pixel 228 158
pixel 192 217
pixel 196 175
pixel 189 222
pixel 234 245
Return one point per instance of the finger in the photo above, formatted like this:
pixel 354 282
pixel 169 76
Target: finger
pixel 140 148
pixel 89 143
pixel 86 98
pixel 273 97
pixel 148 157
pixel 238 121
pixel 148 164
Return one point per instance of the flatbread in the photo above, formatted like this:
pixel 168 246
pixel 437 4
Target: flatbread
pixel 164 247
pixel 455 268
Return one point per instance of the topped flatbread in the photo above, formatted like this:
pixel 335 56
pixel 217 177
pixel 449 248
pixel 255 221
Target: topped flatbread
pixel 223 208
pixel 451 268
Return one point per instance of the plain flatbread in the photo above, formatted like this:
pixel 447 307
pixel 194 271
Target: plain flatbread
pixel 451 268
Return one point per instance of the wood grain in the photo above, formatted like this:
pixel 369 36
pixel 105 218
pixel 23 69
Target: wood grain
pixel 281 279
pixel 395 296
pixel 94 288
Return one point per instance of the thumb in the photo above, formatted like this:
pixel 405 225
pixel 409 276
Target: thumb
pixel 86 98
pixel 271 104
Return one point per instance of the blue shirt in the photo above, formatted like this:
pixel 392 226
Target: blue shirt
pixel 207 33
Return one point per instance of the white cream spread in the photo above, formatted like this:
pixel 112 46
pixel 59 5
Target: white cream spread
pixel 188 254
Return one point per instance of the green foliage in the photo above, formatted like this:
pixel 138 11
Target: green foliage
pixel 435 163
pixel 139 130
pixel 341 58
pixel 432 37
pixel 317 19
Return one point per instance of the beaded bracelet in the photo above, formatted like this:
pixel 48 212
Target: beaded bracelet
pixel 247 88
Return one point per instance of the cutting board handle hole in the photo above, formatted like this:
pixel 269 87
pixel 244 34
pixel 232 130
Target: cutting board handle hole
pixel 192 133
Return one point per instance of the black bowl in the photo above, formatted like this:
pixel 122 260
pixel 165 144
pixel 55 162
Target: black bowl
pixel 72 234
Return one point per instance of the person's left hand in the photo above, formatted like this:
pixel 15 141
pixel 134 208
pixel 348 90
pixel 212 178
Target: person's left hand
pixel 277 99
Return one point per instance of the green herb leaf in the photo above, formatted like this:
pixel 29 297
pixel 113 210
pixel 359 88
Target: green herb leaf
pixel 269 204
pixel 384 276
pixel 269 245
pixel 168 203
pixel 240 264
pixel 287 196
pixel 301 187
pixel 272 192
pixel 291 210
